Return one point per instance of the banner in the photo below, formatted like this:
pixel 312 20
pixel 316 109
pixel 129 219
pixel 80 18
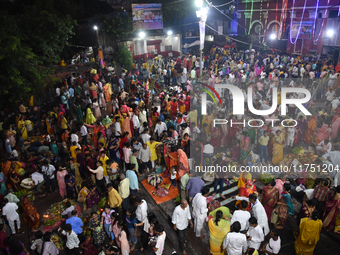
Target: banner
pixel 202 34
pixel 306 29
pixel 147 16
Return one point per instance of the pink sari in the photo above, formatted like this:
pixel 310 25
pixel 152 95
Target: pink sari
pixel 335 128
pixel 322 134
pixel 61 182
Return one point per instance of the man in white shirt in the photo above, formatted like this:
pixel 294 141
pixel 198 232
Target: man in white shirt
pixel 99 176
pixel 208 152
pixel 144 156
pixel 290 135
pixel 160 128
pixel 200 210
pixel 258 210
pixel 68 210
pixel 83 133
pixel 136 123
pixel 180 218
pixel 75 138
pixel 118 130
pixel 324 147
pixel 195 131
pixel 48 171
pixel 272 247
pixel 11 197
pixel 145 136
pixel 241 216
pixel 255 234
pixel 334 104
pixel 141 214
pixel 161 235
pixel 235 242
pixel 330 95
pixel 38 180
pixel 72 243
pixel 10 211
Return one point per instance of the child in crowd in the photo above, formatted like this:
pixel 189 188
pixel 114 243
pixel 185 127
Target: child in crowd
pixel 173 176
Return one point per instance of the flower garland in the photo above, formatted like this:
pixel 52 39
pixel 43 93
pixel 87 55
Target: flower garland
pixel 291 23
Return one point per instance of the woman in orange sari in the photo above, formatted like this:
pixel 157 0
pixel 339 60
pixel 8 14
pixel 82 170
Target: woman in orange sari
pixel 30 215
pixel 106 93
pixel 310 130
pixel 184 163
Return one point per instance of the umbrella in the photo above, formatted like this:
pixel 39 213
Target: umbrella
pixel 155 179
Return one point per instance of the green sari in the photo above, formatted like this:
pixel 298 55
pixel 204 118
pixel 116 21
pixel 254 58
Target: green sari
pixel 79 114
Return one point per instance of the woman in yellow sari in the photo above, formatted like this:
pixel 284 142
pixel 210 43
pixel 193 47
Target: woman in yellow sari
pixel 181 105
pixel 90 119
pixel 219 227
pixel 309 235
pixel 208 118
pixel 278 146
pixel 309 133
pixel 22 128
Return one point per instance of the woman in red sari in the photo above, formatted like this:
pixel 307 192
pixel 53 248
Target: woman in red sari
pixel 173 108
pixel 269 198
pixel 332 209
pixel 215 137
pixel 122 141
pixel 30 215
pixel 187 102
pixel 245 191
pixel 232 130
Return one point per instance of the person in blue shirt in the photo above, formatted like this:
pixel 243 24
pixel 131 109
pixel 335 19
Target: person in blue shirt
pixel 131 222
pixel 161 115
pixel 133 179
pixel 77 225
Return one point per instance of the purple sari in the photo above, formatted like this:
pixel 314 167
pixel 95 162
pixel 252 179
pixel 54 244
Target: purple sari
pixel 92 199
pixel 302 129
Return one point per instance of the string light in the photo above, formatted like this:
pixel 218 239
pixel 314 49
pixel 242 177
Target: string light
pixel 323 21
pixel 283 16
pixel 251 16
pixel 265 25
pixel 291 23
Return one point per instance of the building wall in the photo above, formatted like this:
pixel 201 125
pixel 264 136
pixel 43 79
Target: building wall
pixel 268 16
pixel 140 46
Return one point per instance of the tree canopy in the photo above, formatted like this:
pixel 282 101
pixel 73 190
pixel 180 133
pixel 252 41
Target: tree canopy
pixel 34 33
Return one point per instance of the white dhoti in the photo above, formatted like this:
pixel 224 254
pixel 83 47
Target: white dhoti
pixel 12 224
pixel 199 212
pixel 198 224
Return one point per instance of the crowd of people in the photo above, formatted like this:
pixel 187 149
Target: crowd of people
pixel 110 132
